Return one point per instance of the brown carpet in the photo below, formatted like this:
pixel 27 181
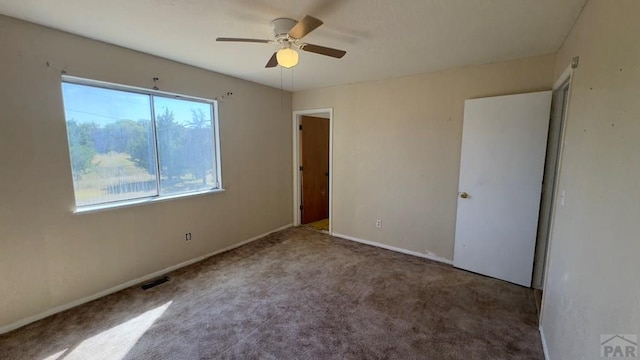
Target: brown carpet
pixel 296 294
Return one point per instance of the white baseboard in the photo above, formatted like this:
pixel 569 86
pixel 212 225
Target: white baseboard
pixel 430 256
pixel 86 299
pixel 545 349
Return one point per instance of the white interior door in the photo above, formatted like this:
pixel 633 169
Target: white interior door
pixel 504 142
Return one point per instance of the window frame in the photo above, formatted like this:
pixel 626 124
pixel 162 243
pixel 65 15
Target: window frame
pixel 215 128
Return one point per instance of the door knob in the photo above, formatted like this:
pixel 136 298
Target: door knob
pixel 464 195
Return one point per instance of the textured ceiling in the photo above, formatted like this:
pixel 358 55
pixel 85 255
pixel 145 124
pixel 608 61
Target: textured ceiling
pixel 383 38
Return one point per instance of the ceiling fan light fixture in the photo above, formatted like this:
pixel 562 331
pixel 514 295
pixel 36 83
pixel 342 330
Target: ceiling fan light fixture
pixel 287 34
pixel 287 57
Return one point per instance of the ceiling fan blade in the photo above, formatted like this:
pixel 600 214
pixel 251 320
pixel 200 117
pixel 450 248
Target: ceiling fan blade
pixel 273 62
pixel 304 26
pixel 317 49
pixel 244 40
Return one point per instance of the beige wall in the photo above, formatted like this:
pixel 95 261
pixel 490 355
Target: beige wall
pixel 397 148
pixel 48 255
pixel 593 285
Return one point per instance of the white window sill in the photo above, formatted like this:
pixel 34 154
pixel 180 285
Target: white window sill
pixel 128 203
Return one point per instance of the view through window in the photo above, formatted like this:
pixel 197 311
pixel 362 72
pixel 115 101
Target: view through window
pixel 132 143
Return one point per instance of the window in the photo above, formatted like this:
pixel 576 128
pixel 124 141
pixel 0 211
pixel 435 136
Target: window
pixel 128 143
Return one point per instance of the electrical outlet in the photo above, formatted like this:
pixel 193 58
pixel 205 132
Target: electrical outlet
pixel 378 224
pixel 187 237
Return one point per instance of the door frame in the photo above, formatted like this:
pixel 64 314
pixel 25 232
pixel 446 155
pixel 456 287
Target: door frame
pixel 297 179
pixel 563 82
pixel 565 78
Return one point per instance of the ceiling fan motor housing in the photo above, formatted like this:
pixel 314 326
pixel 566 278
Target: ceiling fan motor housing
pixel 281 27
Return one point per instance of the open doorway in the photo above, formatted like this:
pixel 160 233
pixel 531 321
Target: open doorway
pixel 559 103
pixel 313 168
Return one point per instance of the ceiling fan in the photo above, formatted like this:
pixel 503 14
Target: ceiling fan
pixel 287 34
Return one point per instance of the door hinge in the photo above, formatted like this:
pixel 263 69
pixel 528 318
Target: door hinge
pixel 300 127
pixel 300 207
pixel 301 167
